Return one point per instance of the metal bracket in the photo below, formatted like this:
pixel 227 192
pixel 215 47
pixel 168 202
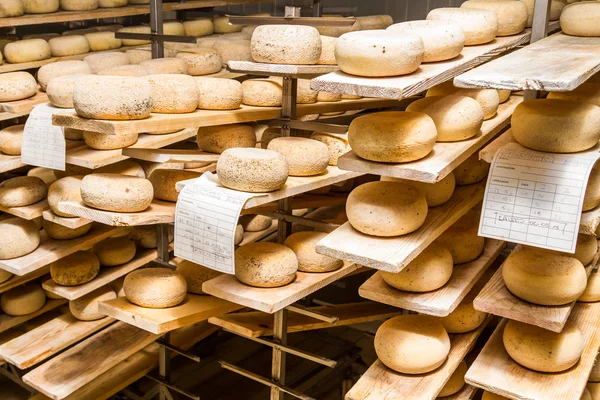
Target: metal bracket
pixel 309 125
pixel 164 384
pixel 313 314
pixel 179 351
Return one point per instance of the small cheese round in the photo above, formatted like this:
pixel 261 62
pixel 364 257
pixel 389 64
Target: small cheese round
pixel 102 141
pixel 75 269
pixel 442 40
pixel 255 222
pixel 429 271
pixel 591 199
pixel 145 236
pixel 591 294
pixel 219 93
pixel 386 209
pixel 286 44
pixel 337 144
pixel 40 6
pixel 23 300
pixel 327 56
pixel 595 374
pixel 217 139
pixel 479 26
pixel 221 25
pixel 303 245
pixel 135 29
pixel 201 60
pixel 464 318
pixel 11 139
pixel 60 90
pixel 305 157
pixel 503 95
pixel 488 99
pixel 22 191
pixel 113 192
pixel 399 344
pixel 17 86
pixel 173 93
pixel 195 275
pixel 456 381
pixel 265 264
pixel 233 49
pixel 198 27
pixel 102 41
pixel 155 287
pixel 164 181
pixel 462 239
pixel 11 8
pixel 435 193
pixel 556 8
pixel 18 237
pixel 328 96
pixel 544 277
pixel 112 3
pixel 252 170
pixel 165 66
pixel 556 126
pixel 125 70
pixel 136 56
pixel 542 350
pixel 392 136
pixel 64 189
pixel 470 171
pixel 85 308
pixel 102 61
pixel 586 249
pixel 512 15
pixel 61 68
pixel 581 19
pixel 60 232
pixel 4 275
pixel 262 92
pixel 173 28
pixel 114 251
pixel 45 174
pixel 69 45
pixel 78 5
pixel 379 53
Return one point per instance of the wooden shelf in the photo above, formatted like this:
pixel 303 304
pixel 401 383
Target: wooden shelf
pixel 394 253
pixel 427 76
pixel 29 212
pixel 270 300
pixel 72 223
pixel 8 163
pixel 170 155
pixel 7 321
pixel 17 280
pixel 496 372
pixel 25 105
pixel 439 302
pixel 382 383
pixel 5 116
pixel 263 69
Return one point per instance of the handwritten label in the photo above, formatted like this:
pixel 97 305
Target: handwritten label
pixel 44 144
pixel 536 198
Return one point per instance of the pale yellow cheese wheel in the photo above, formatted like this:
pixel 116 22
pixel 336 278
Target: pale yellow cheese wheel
pixel 85 308
pixel 556 8
pixel 328 97
pixel 591 294
pixel 222 25
pixel 22 191
pixel 145 236
pixel 23 300
pixel 303 245
pixel 45 174
pixel 252 170
pixel 165 66
pixel 456 381
pixel 101 41
pixel 102 61
pixel 217 139
pixel 265 264
pixel 255 222
pixel 17 86
pixel 233 49
pixel 60 232
pixel 11 8
pixel 4 275
pixel 581 19
pixel 164 180
pixel 40 6
pixel 286 44
pixel 101 141
pixel 588 92
pixel 488 99
pixel 337 144
pixel 69 45
pixel 173 93
pixel 155 287
pixel 327 56
pixel 195 275
pixel 442 40
pixel 61 68
pixel 75 269
pixel 113 192
pixel 208 41
pixel 591 198
pixel 305 157
pixel 262 92
pixel 198 27
pixel 125 70
pixel 470 171
pixel 595 374
pixel 136 56
pixel 18 237
pixel 201 60
pixel 135 29
pixel 78 5
pixel 173 28
pixel 114 251
pixel 64 189
pixel 11 139
pixel 464 318
pixel 479 26
pixel 512 15
pixel 60 90
pixel 219 93
pixel 462 239
pixel 304 94
pixel 435 193
pixel 586 249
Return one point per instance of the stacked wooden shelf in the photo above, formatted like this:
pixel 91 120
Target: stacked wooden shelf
pixel 7 322
pixel 17 280
pixel 69 222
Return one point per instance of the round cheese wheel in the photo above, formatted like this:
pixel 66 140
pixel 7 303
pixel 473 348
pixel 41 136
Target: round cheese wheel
pixel 150 167
pixel 60 90
pixel 337 145
pixel 102 141
pixel 588 92
pixel 155 287
pixel 303 245
pixel 125 70
pixel 75 269
pixel 503 95
pixel 581 19
pixel 22 191
pixel 217 139
pixel 429 271
pixel 379 53
pixel 112 3
pixel 492 396
pixel 456 381
pixel 586 249
pixel 442 40
pixel 264 264
pixel 11 8
pixel 195 275
pixel 135 29
pixel 512 15
pixel 102 41
pixel 208 41
pixel 219 93
pixel 392 136
pixel 586 395
pixel 64 189
pixel 542 350
pixel 85 308
pixel 114 251
pixel 173 93
pixel 470 171
pixel 165 66
pixel 198 27
pixel 4 275
pixel 18 237
pixel 173 28
pixel 69 45
pixel 45 174
pixel 304 94
pixel 462 239
pixel 556 126
pixel 386 209
pixel 595 374
pixel 17 86
pixel 327 56
pixel 78 5
pixel 255 223
pixel 286 44
pixel 201 60
pixel 464 318
pixel 113 192
pixel 252 170
pixel 591 199
pixel 222 25
pixel 164 180
pixel 556 8
pixel 328 97
pixel 60 232
pixel 305 157
pixel 488 99
pixel 11 139
pixel 375 21
pixel 337 31
pixel 135 2
pixel 435 193
pixel 544 277
pixel 233 49
pixel 137 56
pixel 23 300
pixel 102 61
pixel 399 344
pixel 591 294
pixel 125 167
pixel 262 92
pixel 145 236
pixel 479 26
pixel 61 68
pixel 40 6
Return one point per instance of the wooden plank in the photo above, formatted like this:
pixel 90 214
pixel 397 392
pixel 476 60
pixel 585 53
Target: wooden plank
pixel 382 383
pixel 170 155
pixel 394 253
pixel 17 280
pixel 439 302
pixel 25 105
pixel 496 372
pixel 254 68
pixel 5 116
pixel 70 222
pixel 8 163
pixel 304 201
pixel 47 340
pixel 445 156
pixel 7 321
pixel 29 212
pixel 270 300
pixel 427 76
pixel 194 309
pixel 466 393
pixel 257 323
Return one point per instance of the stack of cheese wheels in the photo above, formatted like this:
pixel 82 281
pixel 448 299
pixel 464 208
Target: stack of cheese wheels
pixel 118 193
pixel 399 344
pixel 114 251
pixel 435 193
pixel 201 60
pixel 556 126
pixel 479 26
pixel 198 27
pixel 512 15
pixel 155 287
pixel 591 199
pixel 264 264
pixel 262 92
pixel 17 86
pixel 195 275
pixel 60 90
pixel 60 232
pixel 217 139
pixel 305 157
pixel 255 222
pixel 173 93
pixel 145 236
pixel 23 300
pixel 233 49
pixel 556 9
pixel 488 99
pixel 286 44
pixel 22 191
pixel 470 171
pixel 85 308
pixel 102 41
pixel 337 144
pixel 61 68
pixel 386 209
pixel 303 245
pixel 442 40
pixel 392 136
pixel 581 19
pixel 252 170
pixel 165 66
pixel 164 181
pixel 544 277
pixel 462 239
pixel 75 269
pixel 18 237
pixel 67 189
pixel 70 45
pixel 11 140
pixel 101 61
pixel 219 93
pixel 11 8
pixel 542 350
pixel 456 381
pixel 588 92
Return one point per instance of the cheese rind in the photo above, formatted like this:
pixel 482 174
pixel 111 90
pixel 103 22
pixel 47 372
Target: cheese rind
pixel 221 25
pixel 217 139
pixel 155 287
pixel 28 50
pixel 11 8
pixel 23 300
pixel 588 92
pixel 456 381
pixel 219 93
pixel 255 222
pixel 61 68
pixel 102 41
pixel 40 6
pixel 303 245
pixel 327 56
pixel 78 5
pixel 112 3
pixel 591 294
pixel 479 26
pixel 173 93
pixel 233 49
pixel 114 251
pixel 488 99
pixel 581 19
pixel 11 139
pixel 119 193
pixel 470 171
pixel 65 189
pixel 462 238
pixel 135 29
pixel 75 269
pixel 164 181
pixel 442 40
pixel 201 60
pixel 262 92
pixel 252 170
pixel 19 237
pixel 136 56
pixel 264 264
pixel 286 44
pixel 144 236
pixel 102 61
pixel 85 308
pixel 69 45
pixel 337 145
pixel 512 15
pixel 22 191
pixel 165 66
pixel 464 318
pixel 198 27
pixel 60 90
pixel 101 141
pixel 195 275
pixel 305 157
pixel 125 70
pixel 586 249
pixel 17 86
pixel 556 9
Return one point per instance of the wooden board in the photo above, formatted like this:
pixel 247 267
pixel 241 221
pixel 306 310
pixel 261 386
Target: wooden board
pixel 5 116
pixel 557 63
pixel 382 383
pixel 263 69
pixel 170 155
pixel 16 280
pixel 7 321
pixel 444 158
pixel 70 222
pixel 25 105
pixel 427 76
pixel 495 371
pixel 8 163
pixel 466 393
pixel 32 211
pixel 270 300
pixel 47 340
pixel 194 309
pixel 439 302
pixel 394 253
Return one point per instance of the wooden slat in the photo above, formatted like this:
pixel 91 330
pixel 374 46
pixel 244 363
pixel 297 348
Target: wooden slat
pixel 8 163
pixel 5 116
pixel 72 223
pixel 29 212
pixel 17 280
pixel 254 68
pixel 7 321
pixel 170 155
pixel 302 202
pixel 25 105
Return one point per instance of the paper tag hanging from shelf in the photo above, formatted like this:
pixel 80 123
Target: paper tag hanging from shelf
pixel 536 198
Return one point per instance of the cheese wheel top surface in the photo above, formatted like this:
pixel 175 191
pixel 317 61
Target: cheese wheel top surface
pixel 61 68
pixel 264 264
pixel 22 191
pixel 75 269
pixel 442 40
pixel 479 26
pixel 60 90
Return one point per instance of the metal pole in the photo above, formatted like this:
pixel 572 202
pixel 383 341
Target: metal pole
pixel 164 363
pixel 162 242
pixel 156 27
pixel 279 357
pixel 539 30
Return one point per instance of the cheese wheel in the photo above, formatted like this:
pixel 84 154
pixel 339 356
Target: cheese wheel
pixel 60 232
pixel 503 95
pixel 252 170
pixel 11 8
pixel 114 251
pixel 305 157
pixel 286 44
pixel 125 70
pixel 386 209
pixel 304 94
pixel 303 245
pixel 65 189
pixel 173 28
pixel 328 97
pixel 492 396
pixel 581 19
pixel 40 6
pixel 137 56
pixel 591 294
pixel 556 126
pixel 544 277
pixel 512 15
pixel 102 61
pixel 586 395
pixel 591 199
pixel 464 318
pixel 470 171
pixel 198 27
pixel 586 249
pixel 208 41
pixel 462 239
pixel 60 90
pixel 11 139
pixel 488 99
pixel 233 49
pixel 219 93
pixel 221 25
pixel 264 264
pixel 217 139
pixel 479 26
pixel 61 68
pixel 399 344
pixel 173 93
pixel 145 236
pixel 102 141
pixel 337 145
pixel 588 92
pixel 22 191
pixel 69 45
pixel 4 275
pixel 456 381
pixel 262 92
pixel 429 271
pixel 195 275
pixel 29 50
pixel 542 350
pixel 85 308
pixel 595 374
pixel 4 40
pixel 442 40
pixel 155 287
pixel 456 117
pixel 135 29
pixel 379 53
pixel 165 66
pixel 556 8
pixel 327 56
pixel 201 60
pixel 375 21
pixel 17 86
pixel 119 193
pixel 238 236
pixel 75 269
pixel 125 167
pixel 435 193
pixel 136 2
pixel 101 41
pixel 337 31
pixel 150 167
pixel 23 300
pixel 392 136
pixel 78 5
pixel 45 174
pixel 18 237
pixel 255 223
pixel 164 180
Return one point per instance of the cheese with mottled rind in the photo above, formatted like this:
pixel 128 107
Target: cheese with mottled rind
pixel 17 86
pixel 61 68
pixel 586 249
pixel 102 141
pixel 136 56
pixel 155 287
pixel 217 139
pixel 60 90
pixel 165 66
pixel 556 8
pixel 479 26
pixel 125 70
pixel 264 264
pixel 286 44
pixel 145 236
pixel 221 25
pixel 75 269
pixel 303 245
pixel 201 60
pixel 173 93
pixel 119 193
pixel 442 40
pixel 219 93
pixel 102 61
pixel 114 251
pixel 60 232
pixel 262 92
pixel 28 50
pixel 135 29
pixel 233 49
pixel 195 275
pixel 512 15
pixel 78 5
pixel 19 237
pixel 22 191
pixel 252 170
pixel 23 300
pixel 11 8
pixel 337 144
pixel 11 139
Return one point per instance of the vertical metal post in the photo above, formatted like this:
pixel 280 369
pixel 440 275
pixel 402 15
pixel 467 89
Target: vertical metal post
pixel 162 242
pixel 164 364
pixel 279 357
pixel 156 27
pixel 539 30
pixel 317 8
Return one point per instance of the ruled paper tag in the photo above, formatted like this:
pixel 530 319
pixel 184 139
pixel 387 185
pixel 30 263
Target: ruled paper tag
pixel 536 198
pixel 44 144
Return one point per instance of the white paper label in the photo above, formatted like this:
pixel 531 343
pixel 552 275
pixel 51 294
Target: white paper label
pixel 43 143
pixel 536 198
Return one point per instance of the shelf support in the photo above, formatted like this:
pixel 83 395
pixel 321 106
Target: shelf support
pixel 539 30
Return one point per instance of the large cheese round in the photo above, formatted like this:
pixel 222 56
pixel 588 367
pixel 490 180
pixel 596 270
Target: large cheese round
pixel 23 300
pixel 69 45
pixel 429 271
pixel 155 287
pixel 11 8
pixel 470 171
pixel 456 381
pixel 173 93
pixel 588 92
pixel 265 264
pixel 60 90
pixel 18 237
pixel 198 27
pixel 586 249
pixel 252 170
pixel 488 99
pixel 164 181
pixel 435 193
pixel 145 236
pixel 135 29
pixel 303 245
pixel 60 232
pixel 379 53
pixel 262 92
pixel 11 139
pixel 114 251
pixel 102 61
pixel 462 239
pixel 102 41
pixel 113 192
pixel 327 56
pixel 286 44
pixel 581 19
pixel 61 68
pixel 399 344
pixel 64 189
pixel 75 269
pixel 556 126
pixel 17 86
pixel 40 6
pixel 222 25
pixel 556 8
pixel 125 70
pixel 136 56
pixel 392 136
pixel 591 198
pixel 540 349
pixel 233 49
pixel 255 222
pixel 305 157
pixel 442 40
pixel 201 60
pixel 386 209
pixel 544 277
pixel 479 26
pixel 102 141
pixel 512 15
pixel 85 308
pixel 78 5
pixel 22 191
pixel 464 318
pixel 195 275
pixel 219 93
pixel 165 66
pixel 591 294
pixel 337 144
pixel 217 139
